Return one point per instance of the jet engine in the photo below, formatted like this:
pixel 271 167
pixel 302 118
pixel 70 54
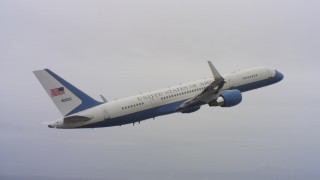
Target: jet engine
pixel 227 99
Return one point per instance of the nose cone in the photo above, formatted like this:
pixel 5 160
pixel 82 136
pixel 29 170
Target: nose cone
pixel 278 76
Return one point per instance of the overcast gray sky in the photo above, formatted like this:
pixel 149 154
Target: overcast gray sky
pixel 120 48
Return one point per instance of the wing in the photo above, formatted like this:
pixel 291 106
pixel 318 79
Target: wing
pixel 210 93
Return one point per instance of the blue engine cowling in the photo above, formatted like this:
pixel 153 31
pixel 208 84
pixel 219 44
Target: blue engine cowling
pixel 231 98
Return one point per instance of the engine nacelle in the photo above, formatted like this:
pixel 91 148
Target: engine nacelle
pixel 228 99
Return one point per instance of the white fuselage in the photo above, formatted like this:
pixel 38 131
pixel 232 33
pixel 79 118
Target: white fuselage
pixel 160 102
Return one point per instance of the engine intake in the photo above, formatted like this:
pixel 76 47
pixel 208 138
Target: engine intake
pixel 228 99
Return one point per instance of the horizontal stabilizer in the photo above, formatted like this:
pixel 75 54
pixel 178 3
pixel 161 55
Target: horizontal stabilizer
pixel 103 98
pixel 76 119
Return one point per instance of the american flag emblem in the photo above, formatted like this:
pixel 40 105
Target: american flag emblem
pixel 57 91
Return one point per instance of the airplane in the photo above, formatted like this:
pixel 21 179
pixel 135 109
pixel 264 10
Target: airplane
pixel 81 111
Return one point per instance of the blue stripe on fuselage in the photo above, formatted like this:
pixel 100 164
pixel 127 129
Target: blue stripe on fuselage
pixel 171 108
pixel 137 116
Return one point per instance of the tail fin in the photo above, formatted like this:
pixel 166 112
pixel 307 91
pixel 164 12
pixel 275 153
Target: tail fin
pixel 66 97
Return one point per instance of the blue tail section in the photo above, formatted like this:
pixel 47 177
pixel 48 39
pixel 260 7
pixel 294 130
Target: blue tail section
pixel 87 101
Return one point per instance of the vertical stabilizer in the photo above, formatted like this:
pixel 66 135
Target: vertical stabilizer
pixel 66 97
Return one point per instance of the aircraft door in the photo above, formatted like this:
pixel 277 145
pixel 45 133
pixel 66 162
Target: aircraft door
pixel 155 99
pixel 106 114
pixel 153 104
pixel 269 73
pixel 230 83
pixel 152 101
